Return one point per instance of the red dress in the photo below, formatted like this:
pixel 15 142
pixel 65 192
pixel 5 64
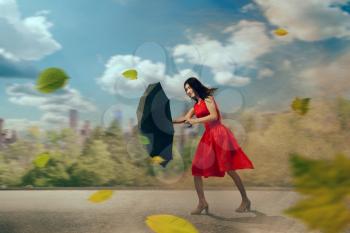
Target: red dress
pixel 217 150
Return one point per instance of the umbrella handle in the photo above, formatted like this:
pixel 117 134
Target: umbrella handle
pixel 187 125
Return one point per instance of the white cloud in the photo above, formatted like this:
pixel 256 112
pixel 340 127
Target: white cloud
pixel 227 78
pixel 264 73
pixel 113 81
pixel 248 7
pixel 309 20
pixel 53 119
pixel 240 49
pixel 19 124
pixel 49 121
pixel 149 72
pixel 328 79
pixel 55 106
pixel 174 86
pixel 26 38
pixel 247 40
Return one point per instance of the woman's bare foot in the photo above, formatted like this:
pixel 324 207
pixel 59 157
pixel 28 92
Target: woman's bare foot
pixel 244 207
pixel 201 206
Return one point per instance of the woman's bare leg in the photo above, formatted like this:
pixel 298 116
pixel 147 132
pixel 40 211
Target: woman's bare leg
pixel 198 183
pixel 237 180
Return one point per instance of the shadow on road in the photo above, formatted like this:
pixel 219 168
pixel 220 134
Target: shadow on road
pixel 259 218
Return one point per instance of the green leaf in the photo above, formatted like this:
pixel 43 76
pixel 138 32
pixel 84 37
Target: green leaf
pixel 41 160
pixel 144 140
pixel 164 223
pixel 327 186
pixel 51 80
pixel 130 74
pixel 323 211
pixel 301 106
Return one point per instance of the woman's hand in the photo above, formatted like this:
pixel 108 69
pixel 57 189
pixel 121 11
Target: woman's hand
pixel 191 121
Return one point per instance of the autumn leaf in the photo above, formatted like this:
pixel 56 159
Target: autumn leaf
pixel 156 160
pixel 101 196
pixel 301 106
pixel 327 186
pixel 51 80
pixel 281 32
pixel 41 160
pixel 130 74
pixel 164 223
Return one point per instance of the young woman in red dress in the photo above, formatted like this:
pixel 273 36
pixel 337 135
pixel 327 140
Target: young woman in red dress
pixel 218 152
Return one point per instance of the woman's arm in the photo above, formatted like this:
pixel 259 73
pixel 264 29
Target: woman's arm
pixel 179 120
pixel 182 119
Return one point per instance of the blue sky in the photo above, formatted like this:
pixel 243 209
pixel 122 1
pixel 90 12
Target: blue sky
pixel 232 42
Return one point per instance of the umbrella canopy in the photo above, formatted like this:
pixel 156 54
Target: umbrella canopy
pixel 155 122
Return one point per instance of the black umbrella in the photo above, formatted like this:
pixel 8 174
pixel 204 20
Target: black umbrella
pixel 155 122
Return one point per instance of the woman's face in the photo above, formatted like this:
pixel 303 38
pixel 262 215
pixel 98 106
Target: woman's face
pixel 189 91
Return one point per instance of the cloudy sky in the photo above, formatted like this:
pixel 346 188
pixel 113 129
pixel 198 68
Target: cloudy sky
pixel 227 44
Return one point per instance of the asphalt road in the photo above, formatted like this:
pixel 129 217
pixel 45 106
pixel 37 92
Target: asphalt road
pixel 126 212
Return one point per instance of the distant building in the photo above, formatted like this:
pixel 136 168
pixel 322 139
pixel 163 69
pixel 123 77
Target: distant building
pixel 5 137
pixel 73 119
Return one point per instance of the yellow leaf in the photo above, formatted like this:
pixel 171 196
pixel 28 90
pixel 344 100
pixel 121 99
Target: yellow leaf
pixel 130 74
pixel 326 184
pixel 157 160
pixel 164 223
pixel 101 196
pixel 41 160
pixel 301 106
pixel 281 32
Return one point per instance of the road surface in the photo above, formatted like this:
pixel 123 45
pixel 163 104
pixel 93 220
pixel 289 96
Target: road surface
pixel 63 211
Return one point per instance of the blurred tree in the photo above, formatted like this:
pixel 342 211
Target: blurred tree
pixel 113 137
pixel 3 170
pixel 23 151
pixel 33 133
pixel 126 171
pixel 189 151
pixel 343 112
pixel 53 174
pixel 96 134
pixel 94 167
pixel 70 146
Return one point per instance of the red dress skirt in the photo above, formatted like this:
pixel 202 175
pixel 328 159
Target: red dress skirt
pixel 217 150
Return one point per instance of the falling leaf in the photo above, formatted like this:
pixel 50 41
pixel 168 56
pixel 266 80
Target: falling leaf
pixel 130 74
pixel 281 32
pixel 327 186
pixel 101 196
pixel 41 160
pixel 144 140
pixel 157 160
pixel 164 223
pixel 301 106
pixel 51 80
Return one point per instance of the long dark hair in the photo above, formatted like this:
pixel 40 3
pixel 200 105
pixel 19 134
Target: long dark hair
pixel 201 90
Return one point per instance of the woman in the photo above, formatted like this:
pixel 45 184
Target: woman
pixel 218 151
